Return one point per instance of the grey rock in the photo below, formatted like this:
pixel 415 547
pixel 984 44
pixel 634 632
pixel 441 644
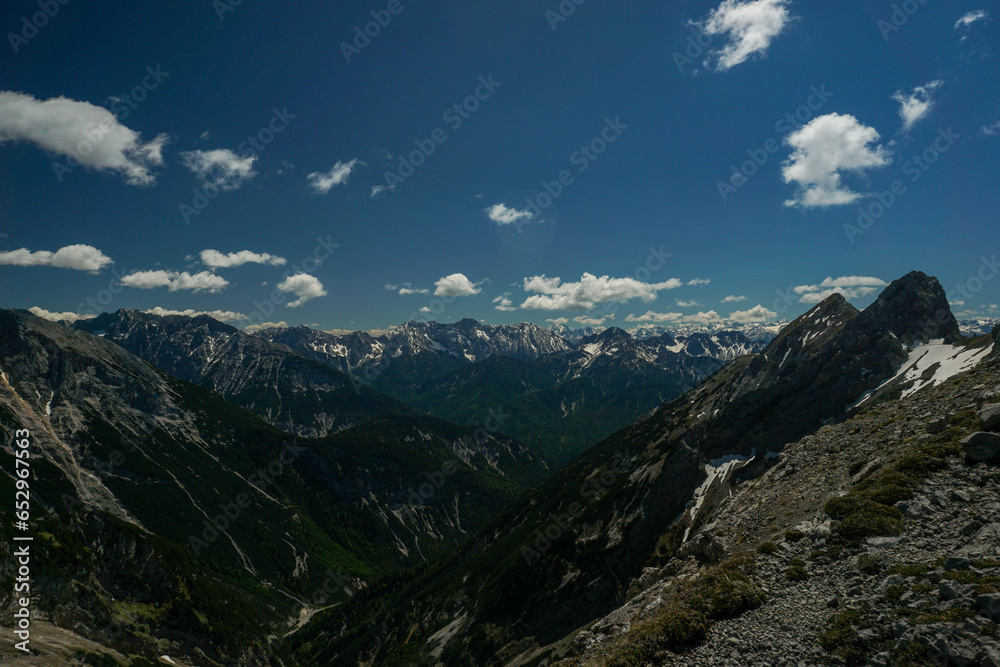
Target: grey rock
pixel 989 417
pixel 981 446
pixel 955 563
pixel 988 606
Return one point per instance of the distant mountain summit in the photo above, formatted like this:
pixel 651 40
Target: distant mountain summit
pixel 286 389
pixel 466 340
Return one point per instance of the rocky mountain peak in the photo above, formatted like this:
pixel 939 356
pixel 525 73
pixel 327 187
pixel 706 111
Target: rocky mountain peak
pixel 915 309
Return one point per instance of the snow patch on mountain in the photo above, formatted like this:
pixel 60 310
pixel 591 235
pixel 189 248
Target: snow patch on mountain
pixel 933 363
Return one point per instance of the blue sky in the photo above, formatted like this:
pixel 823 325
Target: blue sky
pixel 643 110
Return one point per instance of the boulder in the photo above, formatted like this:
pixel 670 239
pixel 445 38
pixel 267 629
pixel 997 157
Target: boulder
pixel 981 446
pixel 989 417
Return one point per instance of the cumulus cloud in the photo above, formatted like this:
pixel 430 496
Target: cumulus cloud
pixel 302 285
pixel 323 181
pixel 221 315
pixel 379 190
pixel 709 319
pixel 749 27
pixel 588 321
pixel 59 317
pixel 917 103
pixel 456 285
pixel 561 321
pixel 174 281
pixel 220 168
pixel 76 257
pixel 406 289
pixel 502 215
pixel 965 22
pixel 733 298
pixel 554 294
pixel 755 314
pixel 89 134
pixel 254 328
pixel 850 287
pixel 697 282
pixel 825 147
pixel 504 304
pixel 658 318
pixel 687 304
pixel 218 260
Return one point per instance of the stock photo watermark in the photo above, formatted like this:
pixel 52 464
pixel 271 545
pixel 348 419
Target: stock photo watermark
pixel 914 169
pixel 900 15
pixel 455 117
pixel 562 13
pixel 251 147
pixel 214 527
pixel 582 158
pixel 323 251
pixel 121 106
pixel 561 524
pixel 759 156
pixel 30 25
pixel 362 36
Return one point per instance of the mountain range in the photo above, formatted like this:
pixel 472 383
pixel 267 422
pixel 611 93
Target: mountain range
pixel 473 495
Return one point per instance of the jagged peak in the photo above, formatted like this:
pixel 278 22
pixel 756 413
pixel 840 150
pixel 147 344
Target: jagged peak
pixel 915 309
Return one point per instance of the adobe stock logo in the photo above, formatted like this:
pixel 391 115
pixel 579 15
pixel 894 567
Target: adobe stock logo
pixel 38 20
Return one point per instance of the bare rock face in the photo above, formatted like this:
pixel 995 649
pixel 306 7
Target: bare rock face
pixel 982 446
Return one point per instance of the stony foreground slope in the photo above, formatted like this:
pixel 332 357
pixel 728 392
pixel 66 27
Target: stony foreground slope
pixel 913 578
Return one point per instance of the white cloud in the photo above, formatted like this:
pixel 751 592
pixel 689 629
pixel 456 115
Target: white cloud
pixel 218 260
pixel 592 321
pixel 992 130
pixel 711 318
pixel 502 215
pixel 406 289
pixel 559 320
pixel 220 168
pixel 58 317
pixel 956 303
pixel 378 190
pixel 825 147
pixel 456 285
pixel 221 315
pixel 750 26
pixel 916 104
pixel 969 18
pixel 850 287
pixel 323 181
pixel 204 281
pixel 76 257
pixel 553 294
pixel 659 318
pixel 253 328
pixel 755 314
pixel 88 134
pixel 733 298
pixel 697 282
pixel 504 304
pixel 687 304
pixel 304 286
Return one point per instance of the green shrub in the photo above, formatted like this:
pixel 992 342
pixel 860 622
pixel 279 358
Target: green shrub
pixel 675 628
pixel 870 519
pixel 796 570
pixel 793 535
pixel 767 548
